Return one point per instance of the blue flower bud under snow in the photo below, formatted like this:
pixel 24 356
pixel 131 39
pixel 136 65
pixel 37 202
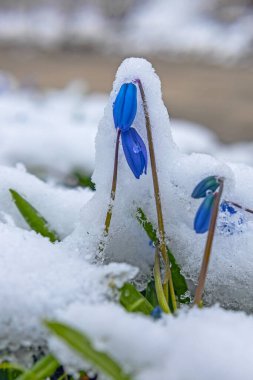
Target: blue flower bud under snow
pixel 203 215
pixel 230 220
pixel 210 183
pixel 135 152
pixel 227 207
pixel 125 106
pixel 156 313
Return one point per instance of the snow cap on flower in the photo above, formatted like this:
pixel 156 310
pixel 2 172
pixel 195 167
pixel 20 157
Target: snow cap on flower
pixel 210 183
pixel 125 106
pixel 135 152
pixel 203 215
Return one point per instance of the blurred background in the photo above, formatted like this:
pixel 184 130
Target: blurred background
pixel 201 49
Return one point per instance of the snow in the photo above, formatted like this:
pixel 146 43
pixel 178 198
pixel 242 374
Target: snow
pixel 38 279
pixel 198 344
pixel 178 175
pixel 200 27
pixel 65 122
pixel 72 281
pixel 60 207
pixel 54 132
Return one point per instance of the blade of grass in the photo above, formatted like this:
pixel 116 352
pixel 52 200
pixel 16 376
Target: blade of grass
pixel 43 369
pixel 133 301
pixel 33 217
pixel 180 284
pixel 84 348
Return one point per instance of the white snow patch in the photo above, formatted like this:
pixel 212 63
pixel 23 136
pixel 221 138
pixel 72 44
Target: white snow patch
pixel 198 344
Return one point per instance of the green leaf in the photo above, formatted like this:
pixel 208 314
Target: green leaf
pixel 43 369
pixel 180 284
pixel 33 217
pixel 133 301
pixel 84 180
pixel 10 371
pixel 82 345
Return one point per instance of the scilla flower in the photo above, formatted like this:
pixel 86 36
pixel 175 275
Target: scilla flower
pixel 210 183
pixel 230 220
pixel 207 188
pixel 124 112
pixel 125 107
pixel 135 152
pixel 203 215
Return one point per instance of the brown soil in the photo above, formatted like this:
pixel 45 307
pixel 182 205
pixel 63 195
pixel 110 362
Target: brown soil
pixel 217 97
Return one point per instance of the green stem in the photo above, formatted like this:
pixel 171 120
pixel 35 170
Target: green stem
pixel 162 246
pixel 161 297
pixel 113 192
pixel 208 247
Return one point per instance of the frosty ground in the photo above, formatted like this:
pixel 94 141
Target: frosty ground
pixel 55 135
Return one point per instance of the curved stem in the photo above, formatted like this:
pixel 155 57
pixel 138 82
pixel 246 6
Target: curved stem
pixel 208 247
pixel 162 247
pixel 113 191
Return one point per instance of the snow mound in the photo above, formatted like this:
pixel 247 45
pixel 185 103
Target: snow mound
pixel 231 268
pixel 38 279
pixel 198 344
pixel 59 206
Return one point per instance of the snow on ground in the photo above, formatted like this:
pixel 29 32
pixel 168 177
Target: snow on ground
pixel 59 206
pixel 55 131
pixel 199 344
pixel 39 279
pixel 199 27
pixel 178 175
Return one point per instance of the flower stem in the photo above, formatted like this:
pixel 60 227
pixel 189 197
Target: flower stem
pixel 113 191
pixel 239 206
pixel 158 285
pixel 162 246
pixel 208 247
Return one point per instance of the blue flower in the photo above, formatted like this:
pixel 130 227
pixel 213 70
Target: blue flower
pixel 227 207
pixel 135 152
pixel 203 215
pixel 230 220
pixel 156 313
pixel 125 107
pixel 210 183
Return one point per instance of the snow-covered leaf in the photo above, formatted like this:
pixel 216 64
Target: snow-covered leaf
pixel 134 301
pixel 33 217
pixel 82 346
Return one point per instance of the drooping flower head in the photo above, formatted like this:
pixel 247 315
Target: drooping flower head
pixel 203 215
pixel 207 188
pixel 125 106
pixel 124 112
pixel 135 152
pixel 210 183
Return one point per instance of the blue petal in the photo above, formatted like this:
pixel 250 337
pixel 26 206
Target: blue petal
pixel 227 207
pixel 156 313
pixel 135 152
pixel 210 183
pixel 203 215
pixel 125 106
